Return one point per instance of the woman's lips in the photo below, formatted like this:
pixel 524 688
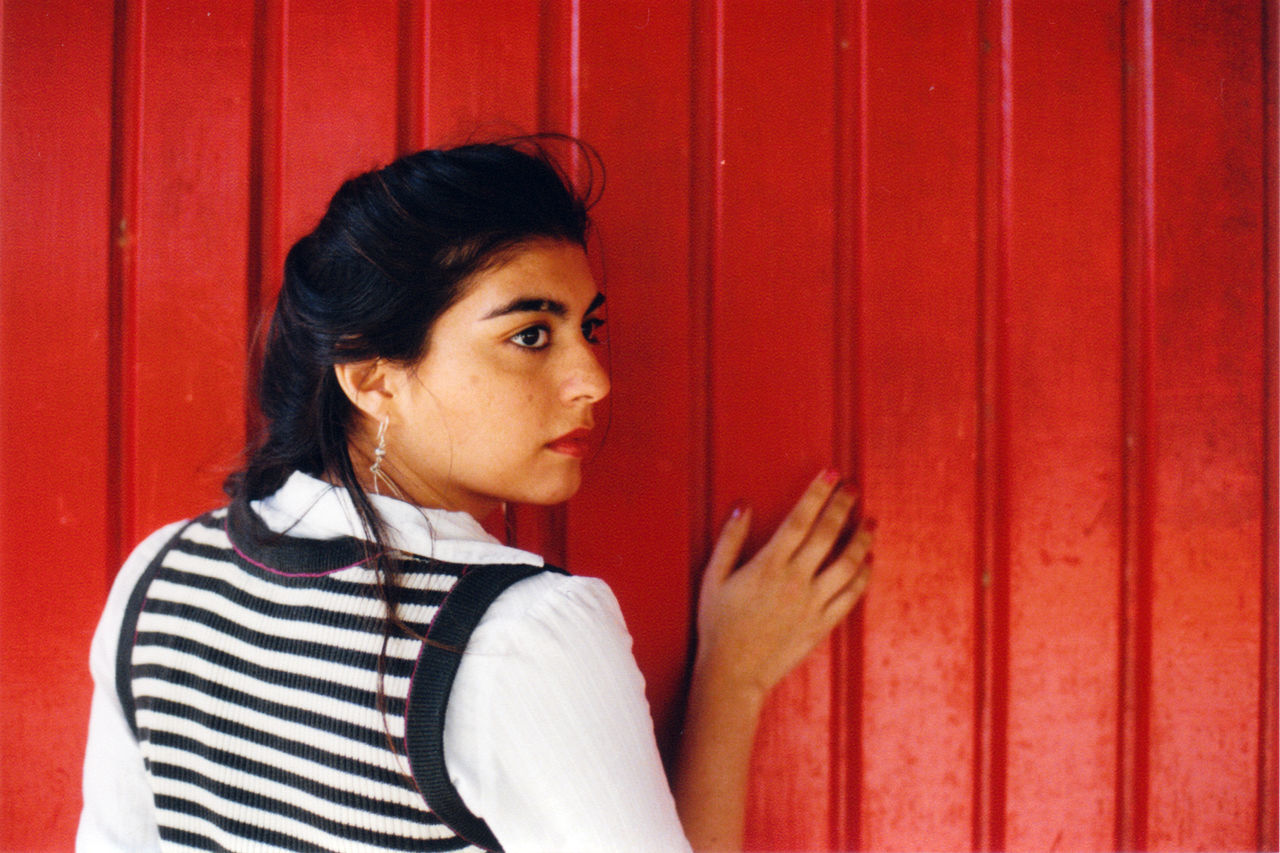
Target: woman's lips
pixel 573 444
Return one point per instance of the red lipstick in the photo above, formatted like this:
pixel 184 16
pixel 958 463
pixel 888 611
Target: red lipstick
pixel 573 444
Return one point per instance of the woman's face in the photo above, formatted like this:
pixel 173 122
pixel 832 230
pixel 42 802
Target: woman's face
pixel 500 407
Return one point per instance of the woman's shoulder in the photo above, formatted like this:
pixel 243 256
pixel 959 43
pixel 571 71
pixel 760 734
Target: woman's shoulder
pixel 145 552
pixel 102 651
pixel 551 611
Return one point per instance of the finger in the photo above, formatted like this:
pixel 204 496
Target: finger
pixel 852 561
pixel 858 546
pixel 728 546
pixel 828 529
pixel 846 597
pixel 795 527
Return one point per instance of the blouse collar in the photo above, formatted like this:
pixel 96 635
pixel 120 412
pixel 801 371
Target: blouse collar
pixel 310 508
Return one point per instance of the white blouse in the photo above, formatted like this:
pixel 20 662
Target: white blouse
pixel 547 681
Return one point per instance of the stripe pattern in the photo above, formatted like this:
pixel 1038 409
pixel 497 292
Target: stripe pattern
pixel 256 697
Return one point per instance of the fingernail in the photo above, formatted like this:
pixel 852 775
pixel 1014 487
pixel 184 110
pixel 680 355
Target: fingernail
pixel 831 476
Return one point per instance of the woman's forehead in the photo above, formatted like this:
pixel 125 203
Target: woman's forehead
pixel 546 277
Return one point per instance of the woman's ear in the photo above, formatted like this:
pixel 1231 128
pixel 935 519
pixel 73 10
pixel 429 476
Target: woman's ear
pixel 367 384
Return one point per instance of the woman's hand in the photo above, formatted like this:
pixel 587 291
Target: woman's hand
pixel 754 625
pixel 757 623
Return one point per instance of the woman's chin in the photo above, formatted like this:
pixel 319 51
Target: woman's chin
pixel 558 492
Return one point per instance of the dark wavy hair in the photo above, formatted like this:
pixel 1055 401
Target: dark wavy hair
pixel 394 250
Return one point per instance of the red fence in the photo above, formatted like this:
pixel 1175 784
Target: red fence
pixel 1013 264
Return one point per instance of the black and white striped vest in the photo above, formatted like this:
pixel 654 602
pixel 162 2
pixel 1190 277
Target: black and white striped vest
pixel 248 668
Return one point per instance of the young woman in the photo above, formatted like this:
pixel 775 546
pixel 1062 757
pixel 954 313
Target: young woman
pixel 295 671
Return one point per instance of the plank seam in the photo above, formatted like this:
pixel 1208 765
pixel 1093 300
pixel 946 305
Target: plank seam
pixel 411 76
pixel 991 578
pixel 1134 689
pixel 126 132
pixel 850 77
pixel 703 247
pixel 1268 837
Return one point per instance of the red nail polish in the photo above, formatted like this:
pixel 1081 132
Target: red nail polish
pixel 831 476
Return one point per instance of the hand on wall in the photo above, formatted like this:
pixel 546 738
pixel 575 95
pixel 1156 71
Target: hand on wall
pixel 757 623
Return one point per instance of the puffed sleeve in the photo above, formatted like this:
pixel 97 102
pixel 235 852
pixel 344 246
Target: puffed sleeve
pixel 548 735
pixel 119 810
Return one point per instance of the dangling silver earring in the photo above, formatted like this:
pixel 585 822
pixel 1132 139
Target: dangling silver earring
pixel 379 453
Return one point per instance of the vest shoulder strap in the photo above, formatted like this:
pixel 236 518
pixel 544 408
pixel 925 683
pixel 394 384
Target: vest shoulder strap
pixel 129 629
pixel 429 694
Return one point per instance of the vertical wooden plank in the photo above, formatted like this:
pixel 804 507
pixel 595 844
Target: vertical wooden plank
pixel 190 238
pixel 1207 372
pixel 918 392
pixel 773 331
pixel 1064 312
pixel 189 297
pixel 483 74
pixel 340 102
pixel 55 140
pixel 643 223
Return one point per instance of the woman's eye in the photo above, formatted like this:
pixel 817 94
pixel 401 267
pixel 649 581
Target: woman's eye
pixel 591 330
pixel 534 337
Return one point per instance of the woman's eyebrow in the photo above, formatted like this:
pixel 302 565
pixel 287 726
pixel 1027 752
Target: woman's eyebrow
pixel 538 305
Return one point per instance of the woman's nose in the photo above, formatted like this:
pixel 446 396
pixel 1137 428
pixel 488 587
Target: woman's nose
pixel 587 381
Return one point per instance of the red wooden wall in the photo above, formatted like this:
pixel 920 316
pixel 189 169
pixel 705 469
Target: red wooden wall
pixel 1013 264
